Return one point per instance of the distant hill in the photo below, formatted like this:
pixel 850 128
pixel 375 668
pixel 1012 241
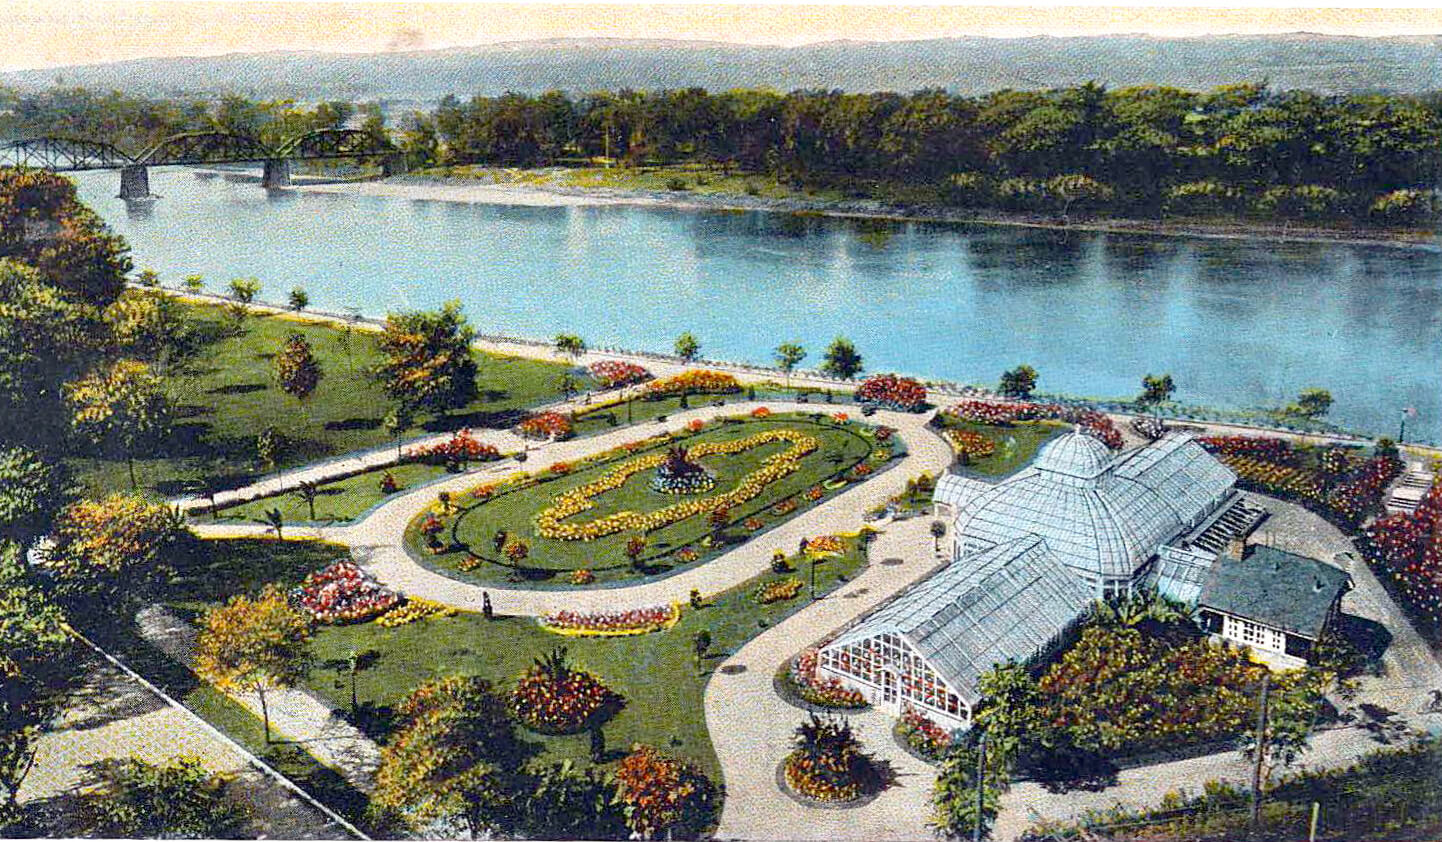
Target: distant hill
pixel 1326 64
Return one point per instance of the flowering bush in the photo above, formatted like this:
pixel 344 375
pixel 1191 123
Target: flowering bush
pixel 612 373
pixel 693 382
pixel 884 433
pixel 547 425
pixel 827 763
pixel 1407 549
pixel 826 692
pixel 660 793
pixel 785 507
pixel 560 469
pixel 612 623
pixel 696 425
pixel 923 736
pixel 432 528
pixel 825 545
pixel 777 591
pixel 753 523
pixel 413 610
pixel 582 577
pixel 552 521
pixel 687 555
pixel 893 392
pixel 760 412
pixel 343 593
pixel 461 447
pixel 840 417
pixel 814 493
pixel 552 697
pixel 970 445
pixel 1149 427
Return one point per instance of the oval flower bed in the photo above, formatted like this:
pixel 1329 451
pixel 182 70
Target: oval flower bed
pixel 546 425
pixel 693 382
pixel 823 692
pixel 827 764
pixel 343 593
pixel 549 521
pixel 553 697
pixel 612 373
pixel 825 545
pixel 612 623
pixel 777 591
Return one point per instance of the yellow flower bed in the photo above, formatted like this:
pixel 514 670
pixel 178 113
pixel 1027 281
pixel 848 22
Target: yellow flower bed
pixel 549 521
pixel 414 609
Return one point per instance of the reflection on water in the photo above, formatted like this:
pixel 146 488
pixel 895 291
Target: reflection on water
pixel 1237 323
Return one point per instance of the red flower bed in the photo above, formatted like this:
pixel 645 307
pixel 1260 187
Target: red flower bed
pixel 923 736
pixel 460 447
pixel 1274 450
pixel 554 698
pixel 547 425
pixel 612 373
pixel 609 623
pixel 826 692
pixel 1408 550
pixel 761 412
pixel 343 593
pixel 893 392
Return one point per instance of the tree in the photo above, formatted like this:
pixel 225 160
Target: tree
pixel 269 446
pixel 1019 382
pixel 1293 706
pixel 562 802
pixel 244 290
pixel 841 359
pixel 1312 403
pixel 296 368
pixel 194 283
pixel 397 421
pixel 954 795
pixel 788 355
pixel 178 799
pixel 570 345
pixel 455 754
pixel 274 519
pixel 148 278
pixel 635 546
pixel 938 531
pixel 32 491
pixel 700 644
pixel 109 553
pixel 150 326
pixel 1156 390
pixel 36 665
pixel 662 794
pixel 123 406
pixel 427 359
pixel 687 348
pixel 299 299
pixel 254 645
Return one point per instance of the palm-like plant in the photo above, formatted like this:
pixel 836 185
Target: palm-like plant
pixel 554 665
pixel 308 491
pixel 275 520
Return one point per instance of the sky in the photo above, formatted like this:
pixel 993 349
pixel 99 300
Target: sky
pixel 54 33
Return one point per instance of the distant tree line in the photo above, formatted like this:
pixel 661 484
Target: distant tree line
pixel 1145 150
pixel 1141 151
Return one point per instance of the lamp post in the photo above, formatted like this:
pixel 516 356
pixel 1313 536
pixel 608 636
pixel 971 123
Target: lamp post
pixel 813 578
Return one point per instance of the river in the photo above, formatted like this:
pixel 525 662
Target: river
pixel 1237 323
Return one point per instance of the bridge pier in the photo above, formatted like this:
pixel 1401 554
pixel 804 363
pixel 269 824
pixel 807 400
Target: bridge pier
pixel 277 173
pixel 134 182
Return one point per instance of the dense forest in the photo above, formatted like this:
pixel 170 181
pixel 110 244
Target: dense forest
pixel 1144 151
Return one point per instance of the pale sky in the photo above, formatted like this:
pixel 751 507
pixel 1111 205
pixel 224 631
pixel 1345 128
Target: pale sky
pixel 50 33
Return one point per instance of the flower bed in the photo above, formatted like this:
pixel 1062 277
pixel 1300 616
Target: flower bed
pixel 827 764
pixel 678 474
pixel 1002 413
pixel 461 447
pixel 1407 551
pixel 610 374
pixel 777 591
pixel 760 412
pixel 1272 466
pixel 923 736
pixel 554 698
pixel 612 623
pixel 582 577
pixel 554 426
pixel 823 692
pixel 970 445
pixel 860 472
pixel 343 593
pixel 549 522
pixel 693 382
pixel 893 392
pixel 825 545
pixel 414 609
pixel 1268 449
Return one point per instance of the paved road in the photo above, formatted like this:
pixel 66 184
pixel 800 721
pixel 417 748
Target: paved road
pixel 114 717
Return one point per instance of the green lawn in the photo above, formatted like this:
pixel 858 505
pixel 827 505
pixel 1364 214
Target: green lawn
pixel 228 394
pixel 656 672
pixel 472 530
pixel 1016 444
pixel 342 500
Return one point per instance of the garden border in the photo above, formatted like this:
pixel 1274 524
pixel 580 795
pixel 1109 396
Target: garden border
pixel 818 804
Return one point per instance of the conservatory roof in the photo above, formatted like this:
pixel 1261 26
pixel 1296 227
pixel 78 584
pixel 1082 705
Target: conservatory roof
pixel 956 490
pixel 1285 591
pixel 1101 517
pixel 1004 603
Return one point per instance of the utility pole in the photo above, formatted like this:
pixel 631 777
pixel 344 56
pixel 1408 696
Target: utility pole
pixel 1261 750
pixel 980 788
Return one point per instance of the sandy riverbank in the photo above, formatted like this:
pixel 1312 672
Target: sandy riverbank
pixel 541 194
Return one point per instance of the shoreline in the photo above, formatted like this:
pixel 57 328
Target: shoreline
pixel 541 194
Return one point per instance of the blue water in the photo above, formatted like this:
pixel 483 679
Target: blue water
pixel 1237 324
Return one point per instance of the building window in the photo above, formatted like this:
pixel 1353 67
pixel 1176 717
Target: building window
pixel 1254 634
pixel 1298 647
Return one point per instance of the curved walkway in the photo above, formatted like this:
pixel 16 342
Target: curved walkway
pixel 377 542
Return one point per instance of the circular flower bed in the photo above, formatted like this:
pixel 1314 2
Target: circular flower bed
pixel 827 764
pixel 552 697
pixel 679 474
pixel 343 593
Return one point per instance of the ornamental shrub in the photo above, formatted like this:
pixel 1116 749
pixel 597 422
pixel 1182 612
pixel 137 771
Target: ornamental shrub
pixel 553 697
pixel 662 794
pixel 892 391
